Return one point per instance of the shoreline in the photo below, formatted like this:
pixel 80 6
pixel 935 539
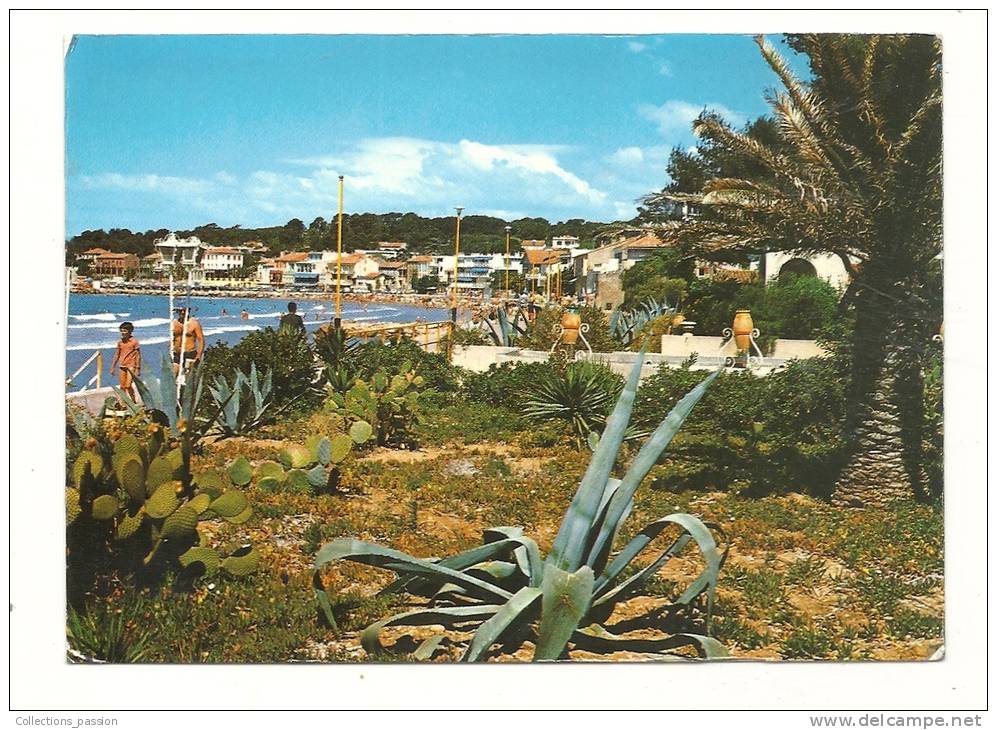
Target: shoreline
pixel 426 301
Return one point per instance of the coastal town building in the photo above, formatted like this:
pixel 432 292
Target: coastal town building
pixel 393 276
pixel 533 244
pixel 220 260
pixel 418 266
pixel 565 242
pixel 115 264
pixel 540 266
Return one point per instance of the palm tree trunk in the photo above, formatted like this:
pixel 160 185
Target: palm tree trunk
pixel 885 410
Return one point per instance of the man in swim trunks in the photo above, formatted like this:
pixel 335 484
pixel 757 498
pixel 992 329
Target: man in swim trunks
pixel 128 357
pixel 192 342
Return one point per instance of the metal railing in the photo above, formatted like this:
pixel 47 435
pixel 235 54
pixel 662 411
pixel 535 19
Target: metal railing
pixel 94 381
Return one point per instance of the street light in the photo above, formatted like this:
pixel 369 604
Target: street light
pixel 456 253
pixel 507 230
pixel 339 259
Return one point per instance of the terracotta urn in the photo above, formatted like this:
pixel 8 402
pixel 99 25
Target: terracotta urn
pixel 571 322
pixel 743 325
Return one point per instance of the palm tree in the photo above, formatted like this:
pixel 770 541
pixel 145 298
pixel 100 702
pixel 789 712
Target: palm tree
pixel 858 175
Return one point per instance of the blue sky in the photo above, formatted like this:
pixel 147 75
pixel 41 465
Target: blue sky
pixel 175 131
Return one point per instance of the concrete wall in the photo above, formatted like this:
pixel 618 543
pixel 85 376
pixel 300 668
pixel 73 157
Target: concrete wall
pixel 686 345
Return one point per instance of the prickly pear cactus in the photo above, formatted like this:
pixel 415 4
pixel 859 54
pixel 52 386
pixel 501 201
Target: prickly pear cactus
pixel 142 500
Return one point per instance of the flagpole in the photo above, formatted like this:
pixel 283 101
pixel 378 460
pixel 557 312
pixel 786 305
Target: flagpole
pixel 339 259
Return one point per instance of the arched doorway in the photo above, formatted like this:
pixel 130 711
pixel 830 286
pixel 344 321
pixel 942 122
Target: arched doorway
pixel 796 267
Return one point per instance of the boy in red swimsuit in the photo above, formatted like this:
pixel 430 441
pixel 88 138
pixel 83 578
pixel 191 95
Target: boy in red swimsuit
pixel 127 356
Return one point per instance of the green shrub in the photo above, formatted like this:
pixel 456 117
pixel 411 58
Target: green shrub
pixel 500 384
pixel 803 307
pixel 778 433
pixel 286 356
pixel 435 370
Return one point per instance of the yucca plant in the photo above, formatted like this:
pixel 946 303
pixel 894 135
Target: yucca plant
pixel 503 589
pixel 581 394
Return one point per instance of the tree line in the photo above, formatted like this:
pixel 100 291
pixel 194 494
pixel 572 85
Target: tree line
pixel 479 234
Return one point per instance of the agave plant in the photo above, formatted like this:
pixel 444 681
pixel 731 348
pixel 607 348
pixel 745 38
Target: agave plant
pixel 506 331
pixel 159 395
pixel 237 414
pixel 581 394
pixel 501 588
pixel 625 324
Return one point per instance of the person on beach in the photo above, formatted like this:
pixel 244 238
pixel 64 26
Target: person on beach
pixel 245 314
pixel 292 322
pixel 127 357
pixel 187 334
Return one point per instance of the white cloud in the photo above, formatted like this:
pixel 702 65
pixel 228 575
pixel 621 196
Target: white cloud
pixel 665 69
pixel 147 183
pixel 627 156
pixel 675 117
pixel 390 173
pixel 636 46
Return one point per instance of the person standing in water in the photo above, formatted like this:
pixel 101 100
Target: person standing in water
pixel 127 357
pixel 187 334
pixel 292 322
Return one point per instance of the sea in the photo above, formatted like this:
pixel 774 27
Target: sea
pixel 94 320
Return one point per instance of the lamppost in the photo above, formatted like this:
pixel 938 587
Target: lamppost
pixel 339 259
pixel 507 264
pixel 456 254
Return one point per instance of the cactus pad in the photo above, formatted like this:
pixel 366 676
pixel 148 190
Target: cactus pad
pixel 163 501
pixel 181 523
pixel 72 505
pixel 175 457
pixel 270 469
pixel 210 482
pixel 361 431
pixel 104 507
pixel 205 556
pixel 341 445
pixel 128 525
pixel 317 477
pixel 311 443
pixel 230 504
pixel 240 471
pixel 241 517
pixel 297 480
pixel 126 446
pixel 131 476
pixel 295 456
pixel 323 454
pixel 87 462
pixel 200 502
pixel 160 472
pixel 269 484
pixel 242 564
